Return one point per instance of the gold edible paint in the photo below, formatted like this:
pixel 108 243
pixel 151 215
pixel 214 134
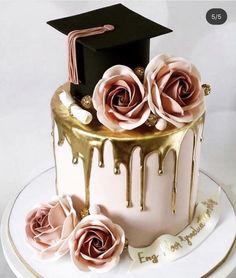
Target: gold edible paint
pixel 83 139
pixel 196 129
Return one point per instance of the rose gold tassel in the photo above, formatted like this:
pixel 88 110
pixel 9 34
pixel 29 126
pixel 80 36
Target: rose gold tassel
pixel 72 37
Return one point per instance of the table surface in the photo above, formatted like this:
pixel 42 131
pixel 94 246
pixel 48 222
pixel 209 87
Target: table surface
pixel 26 86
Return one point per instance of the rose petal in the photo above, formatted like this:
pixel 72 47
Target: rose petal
pixel 30 238
pixel 55 251
pixel 69 225
pixel 136 123
pixel 56 216
pixel 105 119
pixel 163 78
pixel 155 65
pixel 105 267
pixel 171 106
pixel 31 215
pixel 50 236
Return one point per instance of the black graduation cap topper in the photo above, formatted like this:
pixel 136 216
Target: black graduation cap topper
pixel 128 44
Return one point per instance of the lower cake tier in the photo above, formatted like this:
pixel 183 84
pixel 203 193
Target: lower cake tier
pixel 145 182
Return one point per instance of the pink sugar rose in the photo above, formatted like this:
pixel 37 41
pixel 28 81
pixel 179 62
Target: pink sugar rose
pixel 49 226
pixel 120 99
pixel 174 90
pixel 97 243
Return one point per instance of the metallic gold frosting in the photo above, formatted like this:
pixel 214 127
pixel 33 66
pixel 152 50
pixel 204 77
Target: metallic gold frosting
pixel 83 139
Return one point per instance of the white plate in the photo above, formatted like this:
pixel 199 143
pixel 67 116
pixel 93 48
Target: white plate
pixel 24 263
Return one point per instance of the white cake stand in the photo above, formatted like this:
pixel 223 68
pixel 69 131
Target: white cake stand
pixel 207 259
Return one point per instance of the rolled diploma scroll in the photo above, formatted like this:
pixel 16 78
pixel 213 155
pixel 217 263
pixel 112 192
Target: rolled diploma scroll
pixel 79 113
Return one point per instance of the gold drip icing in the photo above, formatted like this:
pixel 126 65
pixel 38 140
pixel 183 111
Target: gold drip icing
pixel 83 139
pixel 161 166
pixel 142 182
pixel 192 177
pixel 54 154
pixel 195 129
pixel 174 188
pixel 202 133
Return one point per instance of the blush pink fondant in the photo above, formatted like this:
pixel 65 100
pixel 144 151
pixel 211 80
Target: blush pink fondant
pixel 108 190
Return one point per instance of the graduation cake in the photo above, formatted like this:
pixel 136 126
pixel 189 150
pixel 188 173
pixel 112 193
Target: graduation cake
pixel 127 134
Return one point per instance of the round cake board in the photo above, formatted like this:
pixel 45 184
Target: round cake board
pixel 208 258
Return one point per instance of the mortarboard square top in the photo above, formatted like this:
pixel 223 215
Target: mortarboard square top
pixel 128 44
pixel 129 27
